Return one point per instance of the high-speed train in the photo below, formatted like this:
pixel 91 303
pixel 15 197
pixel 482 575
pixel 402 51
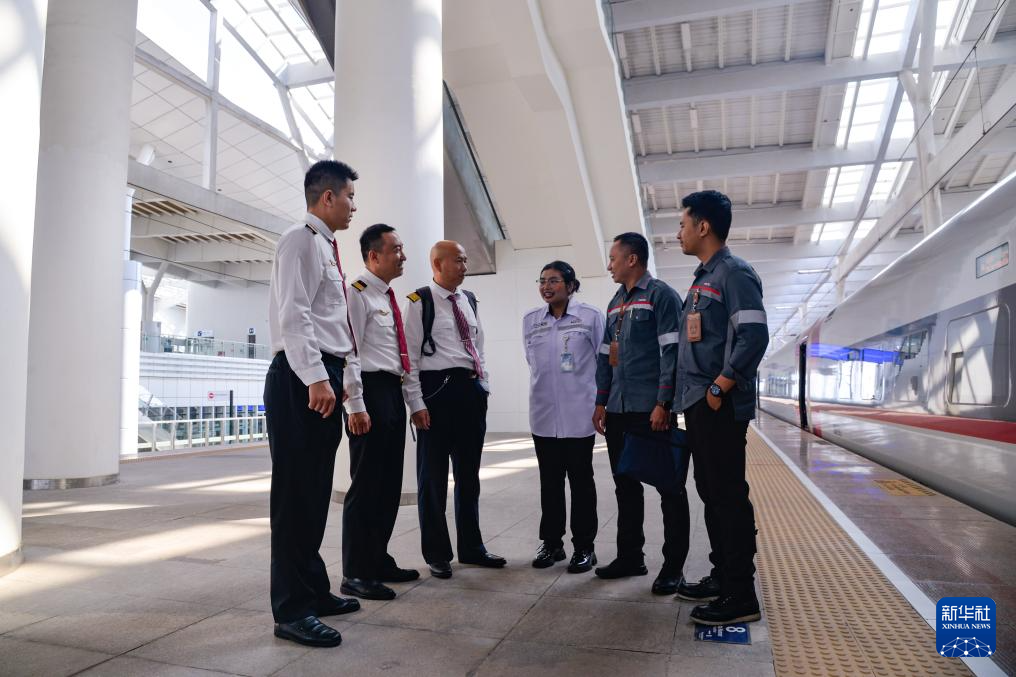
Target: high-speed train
pixel 915 370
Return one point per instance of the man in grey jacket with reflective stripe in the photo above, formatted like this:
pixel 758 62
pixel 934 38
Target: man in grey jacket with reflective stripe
pixel 635 382
pixel 723 336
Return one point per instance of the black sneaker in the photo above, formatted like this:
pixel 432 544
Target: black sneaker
pixel 728 609
pixel 705 590
pixel 620 568
pixel 548 555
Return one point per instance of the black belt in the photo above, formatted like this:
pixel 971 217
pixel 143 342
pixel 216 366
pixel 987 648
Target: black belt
pixel 454 372
pixel 326 358
pixel 381 376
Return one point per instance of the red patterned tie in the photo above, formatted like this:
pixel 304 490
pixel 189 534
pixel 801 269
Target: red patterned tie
pixel 400 330
pixel 345 296
pixel 464 334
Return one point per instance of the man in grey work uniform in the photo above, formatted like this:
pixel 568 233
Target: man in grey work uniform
pixel 635 374
pixel 723 337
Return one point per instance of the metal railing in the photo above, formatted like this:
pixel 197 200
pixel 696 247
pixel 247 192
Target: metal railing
pixel 204 346
pixel 201 432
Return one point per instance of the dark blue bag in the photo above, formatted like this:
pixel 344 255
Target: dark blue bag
pixel 659 459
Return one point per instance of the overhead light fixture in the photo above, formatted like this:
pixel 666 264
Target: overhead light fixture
pixel 811 271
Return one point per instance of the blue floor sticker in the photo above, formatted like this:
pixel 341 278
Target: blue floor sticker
pixel 735 633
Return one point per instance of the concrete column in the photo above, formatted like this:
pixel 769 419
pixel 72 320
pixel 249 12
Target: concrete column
pixel 22 43
pixel 931 204
pixel 130 379
pixel 388 126
pixel 75 350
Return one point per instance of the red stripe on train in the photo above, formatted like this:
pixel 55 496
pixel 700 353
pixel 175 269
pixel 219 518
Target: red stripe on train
pixel 985 429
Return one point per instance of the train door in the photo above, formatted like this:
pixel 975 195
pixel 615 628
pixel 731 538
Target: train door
pixel 802 383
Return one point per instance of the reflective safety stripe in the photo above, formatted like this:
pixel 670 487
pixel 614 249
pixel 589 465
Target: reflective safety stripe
pixel 748 317
pixel 707 291
pixel 667 339
pixel 605 349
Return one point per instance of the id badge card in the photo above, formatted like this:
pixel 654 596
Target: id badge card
pixel 614 356
pixel 567 362
pixel 693 326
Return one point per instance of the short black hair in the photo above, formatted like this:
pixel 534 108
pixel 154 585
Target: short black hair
pixel 637 245
pixel 326 175
pixel 567 274
pixel 372 237
pixel 714 207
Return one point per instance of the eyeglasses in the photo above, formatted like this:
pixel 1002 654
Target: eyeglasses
pixel 552 280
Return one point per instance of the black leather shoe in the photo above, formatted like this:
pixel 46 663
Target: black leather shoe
pixel 728 609
pixel 667 582
pixel 309 631
pixel 485 559
pixel 548 555
pixel 336 606
pixel 397 575
pixel 620 568
pixel 440 569
pixel 705 590
pixel 364 589
pixel 582 561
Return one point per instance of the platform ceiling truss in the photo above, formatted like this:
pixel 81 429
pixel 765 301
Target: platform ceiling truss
pixel 798 110
pixel 209 133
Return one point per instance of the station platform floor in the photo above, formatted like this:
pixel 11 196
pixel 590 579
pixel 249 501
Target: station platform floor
pixel 166 574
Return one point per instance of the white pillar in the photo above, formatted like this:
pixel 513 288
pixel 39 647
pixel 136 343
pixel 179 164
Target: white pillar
pixel 74 358
pixel 22 42
pixel 388 127
pixel 130 378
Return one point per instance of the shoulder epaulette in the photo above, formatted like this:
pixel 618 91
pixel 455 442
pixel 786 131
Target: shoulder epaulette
pixel 359 285
pixel 413 296
pixel 310 228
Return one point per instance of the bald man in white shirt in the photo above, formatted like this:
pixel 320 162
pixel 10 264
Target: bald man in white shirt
pixel 447 391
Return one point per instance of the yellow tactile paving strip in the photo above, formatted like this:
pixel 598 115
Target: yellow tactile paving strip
pixel 830 610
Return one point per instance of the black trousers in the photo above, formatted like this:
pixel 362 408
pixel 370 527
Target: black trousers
pixel 458 423
pixel 303 447
pixel 558 457
pixel 375 466
pixel 631 506
pixel 718 444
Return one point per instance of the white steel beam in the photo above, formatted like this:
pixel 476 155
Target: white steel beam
pixel 201 89
pixel 690 166
pixel 766 160
pixel 997 113
pixel 666 222
pixel 740 81
pixel 636 14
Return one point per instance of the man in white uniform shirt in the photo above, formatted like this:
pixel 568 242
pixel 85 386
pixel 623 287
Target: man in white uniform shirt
pixel 447 394
pixel 375 459
pixel 312 343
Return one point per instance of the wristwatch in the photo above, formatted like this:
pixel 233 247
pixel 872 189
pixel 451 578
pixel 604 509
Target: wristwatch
pixel 665 405
pixel 715 390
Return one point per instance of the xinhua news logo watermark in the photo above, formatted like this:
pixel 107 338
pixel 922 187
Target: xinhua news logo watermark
pixel 965 627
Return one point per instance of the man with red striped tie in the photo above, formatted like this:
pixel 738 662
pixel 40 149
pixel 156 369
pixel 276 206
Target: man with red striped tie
pixel 447 394
pixel 375 457
pixel 311 346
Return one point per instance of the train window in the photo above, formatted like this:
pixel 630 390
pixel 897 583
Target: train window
pixel 912 344
pixel 978 362
pixel 994 260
